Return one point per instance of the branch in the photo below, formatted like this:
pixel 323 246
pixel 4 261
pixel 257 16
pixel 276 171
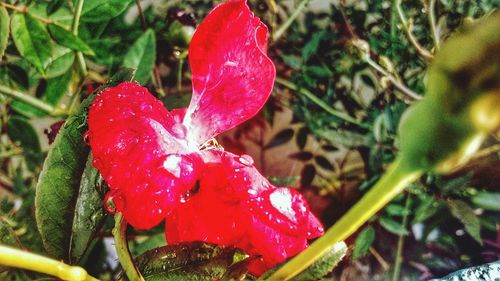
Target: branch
pixel 408 28
pixel 41 105
pixel 281 30
pixel 319 102
pixel 74 28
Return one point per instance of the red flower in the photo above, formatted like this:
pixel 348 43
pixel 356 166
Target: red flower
pixel 156 162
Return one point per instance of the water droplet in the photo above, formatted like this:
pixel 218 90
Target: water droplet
pixel 179 130
pixel 86 137
pixel 146 107
pixel 246 160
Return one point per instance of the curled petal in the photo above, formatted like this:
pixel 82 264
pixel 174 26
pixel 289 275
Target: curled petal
pixel 232 75
pixel 135 144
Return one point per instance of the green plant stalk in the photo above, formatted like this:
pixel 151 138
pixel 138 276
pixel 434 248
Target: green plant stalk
pixel 281 30
pixel 407 28
pixel 432 22
pixel 398 176
pixel 41 105
pixel 121 244
pixel 405 90
pixel 25 260
pixel 74 29
pixel 319 102
pixel 399 250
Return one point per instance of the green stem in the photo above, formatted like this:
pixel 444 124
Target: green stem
pixel 121 244
pixel 41 105
pixel 312 97
pixel 25 260
pixel 408 29
pixel 397 177
pixel 432 22
pixel 400 86
pixel 179 74
pixel 74 28
pixel 281 30
pixel 399 250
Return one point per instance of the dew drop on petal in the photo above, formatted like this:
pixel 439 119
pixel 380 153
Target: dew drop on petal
pixel 246 160
pixel 281 199
pixel 179 130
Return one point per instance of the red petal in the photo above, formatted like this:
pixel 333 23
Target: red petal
pixel 133 140
pixel 232 75
pixel 236 205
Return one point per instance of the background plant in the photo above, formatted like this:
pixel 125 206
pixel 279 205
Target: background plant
pixel 54 53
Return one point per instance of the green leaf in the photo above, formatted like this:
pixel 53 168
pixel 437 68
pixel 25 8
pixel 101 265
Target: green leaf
pixel 21 132
pixel 319 268
pixel 4 30
pixel 396 210
pixel 68 39
pixel 487 200
pixel 141 56
pixel 57 87
pixel 363 242
pixel 31 40
pixel 89 211
pixel 60 182
pixel 311 47
pixel 187 261
pixel 60 63
pixel 489 271
pixel 463 212
pixel 102 10
pixel 53 6
pixel 392 226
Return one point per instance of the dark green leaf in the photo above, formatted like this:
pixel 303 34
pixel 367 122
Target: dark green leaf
pixel 32 40
pixel 53 6
pixel 319 268
pixel 324 163
pixel 141 56
pixel 462 211
pixel 89 212
pixel 26 109
pixel 21 132
pixel 301 155
pixel 292 61
pixel 363 242
pixel 102 10
pixel 4 30
pixel 487 200
pixel 301 138
pixel 392 226
pixel 311 47
pixel 68 39
pixel 280 138
pixel 59 183
pixel 483 272
pixel 7 235
pixel 307 175
pixel 187 261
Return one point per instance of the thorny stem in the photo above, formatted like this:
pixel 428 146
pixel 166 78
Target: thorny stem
pixel 121 244
pixel 318 102
pixel 432 22
pixel 407 27
pixel 400 86
pixel 41 105
pixel 281 30
pixel 74 28
pixel 399 250
pixel 398 176
pixel 25 260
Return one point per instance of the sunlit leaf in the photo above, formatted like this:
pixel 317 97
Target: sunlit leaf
pixel 141 56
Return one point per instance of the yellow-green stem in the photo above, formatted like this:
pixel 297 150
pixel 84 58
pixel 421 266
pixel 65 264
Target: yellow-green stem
pixel 399 250
pixel 281 30
pixel 74 29
pixel 397 177
pixel 39 104
pixel 11 257
pixel 121 244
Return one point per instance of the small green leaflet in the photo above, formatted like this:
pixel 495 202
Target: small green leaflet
pixel 141 56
